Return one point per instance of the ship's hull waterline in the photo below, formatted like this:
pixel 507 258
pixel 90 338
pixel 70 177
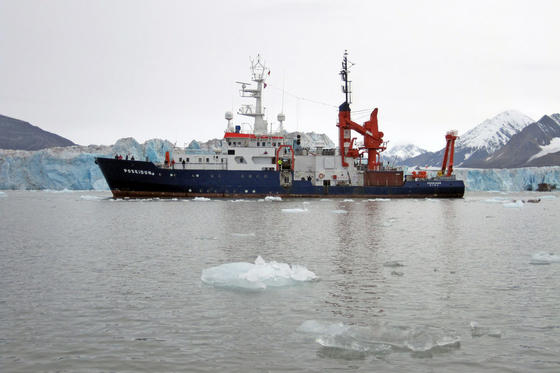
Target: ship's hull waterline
pixel 139 179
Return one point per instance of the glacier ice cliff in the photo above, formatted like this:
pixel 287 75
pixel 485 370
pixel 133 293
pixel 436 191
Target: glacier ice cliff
pixel 508 179
pixel 70 167
pixel 74 168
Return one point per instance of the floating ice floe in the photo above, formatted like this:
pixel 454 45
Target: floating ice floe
pixel 339 212
pixel 498 200
pixel 295 210
pixel 551 196
pixel 89 197
pixel 348 200
pixel 379 199
pixel 243 234
pixel 59 191
pixel 3 195
pixel 479 331
pixel 257 276
pixel 201 199
pixel 380 338
pixel 544 258
pixel 393 263
pixel 272 198
pixel 514 204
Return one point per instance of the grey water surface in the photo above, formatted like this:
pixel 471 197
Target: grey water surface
pixel 89 284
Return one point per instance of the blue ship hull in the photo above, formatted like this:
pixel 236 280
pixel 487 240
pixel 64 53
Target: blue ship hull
pixel 138 179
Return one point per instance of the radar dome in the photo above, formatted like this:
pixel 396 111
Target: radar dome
pixel 281 117
pixel 229 115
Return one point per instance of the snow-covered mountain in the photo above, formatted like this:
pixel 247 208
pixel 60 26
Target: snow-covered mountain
pixel 493 133
pixel 397 153
pixel 480 142
pixel 538 144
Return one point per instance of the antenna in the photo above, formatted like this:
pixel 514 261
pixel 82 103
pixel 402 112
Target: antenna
pixel 347 87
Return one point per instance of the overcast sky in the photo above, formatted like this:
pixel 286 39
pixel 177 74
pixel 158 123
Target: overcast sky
pixel 97 71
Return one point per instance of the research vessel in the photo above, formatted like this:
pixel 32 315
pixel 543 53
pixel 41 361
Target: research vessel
pixel 260 163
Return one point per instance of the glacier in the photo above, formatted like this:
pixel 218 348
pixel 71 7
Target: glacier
pixel 71 167
pixel 74 168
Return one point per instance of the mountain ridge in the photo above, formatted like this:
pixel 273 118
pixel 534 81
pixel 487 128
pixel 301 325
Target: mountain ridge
pixel 16 134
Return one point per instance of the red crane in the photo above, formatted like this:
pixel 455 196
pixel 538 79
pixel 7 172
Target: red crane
pixel 450 136
pixel 373 138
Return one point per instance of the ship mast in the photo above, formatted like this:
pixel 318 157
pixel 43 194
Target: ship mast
pixel 258 75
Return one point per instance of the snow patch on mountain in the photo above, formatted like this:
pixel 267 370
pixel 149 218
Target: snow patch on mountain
pixel 553 147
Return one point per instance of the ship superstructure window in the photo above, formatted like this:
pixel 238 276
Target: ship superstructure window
pixel 199 160
pixel 188 159
pixel 207 160
pixel 231 151
pixel 240 160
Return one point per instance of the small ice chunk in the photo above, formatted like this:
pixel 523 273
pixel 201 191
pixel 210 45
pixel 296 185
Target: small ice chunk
pixel 339 211
pixel 201 199
pixel 379 200
pixel 543 257
pixel 295 210
pixel 514 204
pixel 259 275
pixel 479 331
pixel 3 195
pixel 272 198
pixel 380 337
pixel 348 200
